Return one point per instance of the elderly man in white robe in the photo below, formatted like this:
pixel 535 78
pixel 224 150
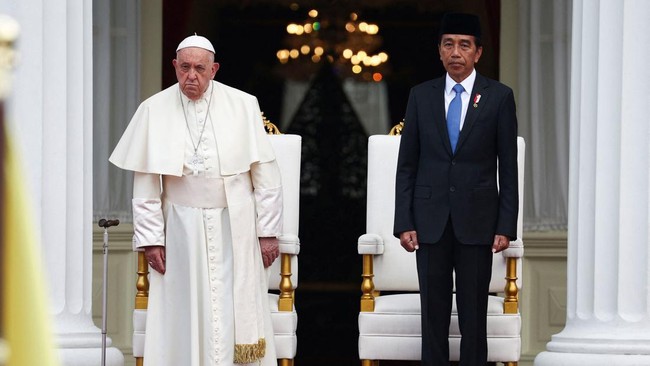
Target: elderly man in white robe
pixel 207 211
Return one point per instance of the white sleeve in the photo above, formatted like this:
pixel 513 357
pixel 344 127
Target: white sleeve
pixel 148 222
pixel 267 185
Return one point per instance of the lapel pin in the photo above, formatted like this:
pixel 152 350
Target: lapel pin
pixel 477 98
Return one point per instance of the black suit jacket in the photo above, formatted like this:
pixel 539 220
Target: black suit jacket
pixel 433 184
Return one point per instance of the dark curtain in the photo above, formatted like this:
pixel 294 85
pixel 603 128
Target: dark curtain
pixel 333 180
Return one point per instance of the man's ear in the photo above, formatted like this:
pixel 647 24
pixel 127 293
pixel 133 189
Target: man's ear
pixel 215 68
pixel 479 52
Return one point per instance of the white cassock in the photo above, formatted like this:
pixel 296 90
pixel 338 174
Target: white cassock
pixel 211 306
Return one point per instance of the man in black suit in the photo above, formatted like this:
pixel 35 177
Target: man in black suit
pixel 448 206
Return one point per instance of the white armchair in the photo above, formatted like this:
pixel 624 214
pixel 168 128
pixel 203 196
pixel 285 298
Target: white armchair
pixel 283 274
pixel 389 325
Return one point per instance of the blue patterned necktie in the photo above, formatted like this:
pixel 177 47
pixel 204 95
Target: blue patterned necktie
pixel 453 116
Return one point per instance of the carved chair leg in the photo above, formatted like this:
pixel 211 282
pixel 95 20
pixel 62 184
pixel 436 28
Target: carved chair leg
pixel 285 362
pixel 139 361
pixel 510 363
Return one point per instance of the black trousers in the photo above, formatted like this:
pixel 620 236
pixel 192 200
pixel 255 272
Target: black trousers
pixel 473 266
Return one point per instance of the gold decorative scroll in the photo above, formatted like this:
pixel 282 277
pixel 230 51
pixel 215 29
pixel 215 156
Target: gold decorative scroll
pixel 397 129
pixel 270 128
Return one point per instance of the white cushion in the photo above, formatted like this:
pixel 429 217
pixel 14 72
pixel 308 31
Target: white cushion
pixel 393 330
pixel 515 250
pixel 139 328
pixel 287 150
pixel 370 244
pixel 289 244
pixel 285 324
pixel 285 346
pixel 395 268
pixel 396 315
pixel 410 348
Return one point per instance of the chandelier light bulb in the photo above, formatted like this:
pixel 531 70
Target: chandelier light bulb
pixel 363 26
pixel 352 47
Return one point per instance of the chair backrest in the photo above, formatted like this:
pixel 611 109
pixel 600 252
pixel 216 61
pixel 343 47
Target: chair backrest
pixel 287 152
pixel 395 270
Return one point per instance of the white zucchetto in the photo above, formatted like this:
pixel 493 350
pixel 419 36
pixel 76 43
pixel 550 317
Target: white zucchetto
pixel 196 41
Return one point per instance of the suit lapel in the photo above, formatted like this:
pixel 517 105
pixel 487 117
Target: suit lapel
pixel 438 106
pixel 480 91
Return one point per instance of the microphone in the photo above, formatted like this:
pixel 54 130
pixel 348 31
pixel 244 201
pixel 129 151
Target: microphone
pixel 108 223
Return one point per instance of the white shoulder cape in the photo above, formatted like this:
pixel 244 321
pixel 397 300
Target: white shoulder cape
pixel 154 140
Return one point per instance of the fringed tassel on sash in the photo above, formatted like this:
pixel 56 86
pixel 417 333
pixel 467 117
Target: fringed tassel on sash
pixel 249 353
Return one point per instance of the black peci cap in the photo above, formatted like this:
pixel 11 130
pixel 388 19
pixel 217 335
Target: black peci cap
pixel 460 23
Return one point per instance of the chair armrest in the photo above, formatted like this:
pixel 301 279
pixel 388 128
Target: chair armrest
pixel 516 249
pixel 370 244
pixel 289 244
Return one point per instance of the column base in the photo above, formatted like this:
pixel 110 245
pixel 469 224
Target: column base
pixel 581 359
pixel 90 356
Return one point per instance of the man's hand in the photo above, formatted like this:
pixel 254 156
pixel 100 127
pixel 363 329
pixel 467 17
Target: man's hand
pixel 270 250
pixel 156 257
pixel 409 240
pixel 501 242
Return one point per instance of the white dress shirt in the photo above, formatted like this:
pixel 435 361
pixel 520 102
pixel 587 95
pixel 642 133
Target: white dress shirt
pixel 468 84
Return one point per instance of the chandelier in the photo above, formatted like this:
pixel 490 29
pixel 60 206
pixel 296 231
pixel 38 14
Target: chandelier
pixel 351 46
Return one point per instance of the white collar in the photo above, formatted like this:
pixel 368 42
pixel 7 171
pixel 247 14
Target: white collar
pixel 468 83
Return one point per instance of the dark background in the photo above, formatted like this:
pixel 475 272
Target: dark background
pixel 246 35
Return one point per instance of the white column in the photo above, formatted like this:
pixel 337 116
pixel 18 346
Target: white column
pixel 51 111
pixel 608 299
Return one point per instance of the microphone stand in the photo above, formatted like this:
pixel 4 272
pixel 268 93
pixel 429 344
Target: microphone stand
pixel 105 224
